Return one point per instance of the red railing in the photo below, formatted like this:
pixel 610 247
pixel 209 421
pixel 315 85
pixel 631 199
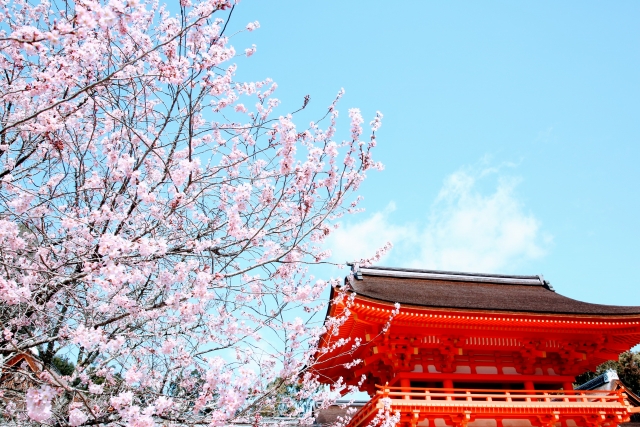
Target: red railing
pixel 485 395
pixel 497 402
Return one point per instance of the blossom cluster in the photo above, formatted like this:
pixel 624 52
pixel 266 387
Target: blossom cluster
pixel 157 217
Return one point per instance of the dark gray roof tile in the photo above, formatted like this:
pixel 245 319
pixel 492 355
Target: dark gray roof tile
pixel 473 291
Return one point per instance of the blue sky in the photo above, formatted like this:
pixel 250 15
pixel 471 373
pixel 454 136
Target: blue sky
pixel 511 137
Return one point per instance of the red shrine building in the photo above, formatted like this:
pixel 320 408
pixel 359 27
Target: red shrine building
pixel 476 350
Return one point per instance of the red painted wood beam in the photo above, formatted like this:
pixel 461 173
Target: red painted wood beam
pixel 489 378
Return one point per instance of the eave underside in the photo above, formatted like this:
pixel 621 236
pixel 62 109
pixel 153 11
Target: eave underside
pixel 436 341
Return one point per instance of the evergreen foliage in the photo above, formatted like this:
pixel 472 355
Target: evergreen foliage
pixel 627 367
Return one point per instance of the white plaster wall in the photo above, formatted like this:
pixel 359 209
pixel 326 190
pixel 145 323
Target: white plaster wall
pixel 486 370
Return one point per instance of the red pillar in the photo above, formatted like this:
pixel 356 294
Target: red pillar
pixel 448 387
pixel 529 388
pixel 406 387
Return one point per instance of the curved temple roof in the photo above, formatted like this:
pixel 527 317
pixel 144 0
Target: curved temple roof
pixel 445 289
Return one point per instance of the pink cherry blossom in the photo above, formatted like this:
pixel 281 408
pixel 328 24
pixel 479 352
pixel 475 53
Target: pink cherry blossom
pixel 250 51
pixel 251 26
pixel 158 215
pixel 77 417
pixel 96 389
pixel 39 403
pixel 87 337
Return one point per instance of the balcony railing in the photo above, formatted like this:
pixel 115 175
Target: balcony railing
pixel 459 407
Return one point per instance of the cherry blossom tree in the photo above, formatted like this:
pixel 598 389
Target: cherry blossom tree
pixel 157 218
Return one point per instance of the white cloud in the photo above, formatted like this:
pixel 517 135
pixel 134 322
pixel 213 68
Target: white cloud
pixel 465 229
pixel 354 241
